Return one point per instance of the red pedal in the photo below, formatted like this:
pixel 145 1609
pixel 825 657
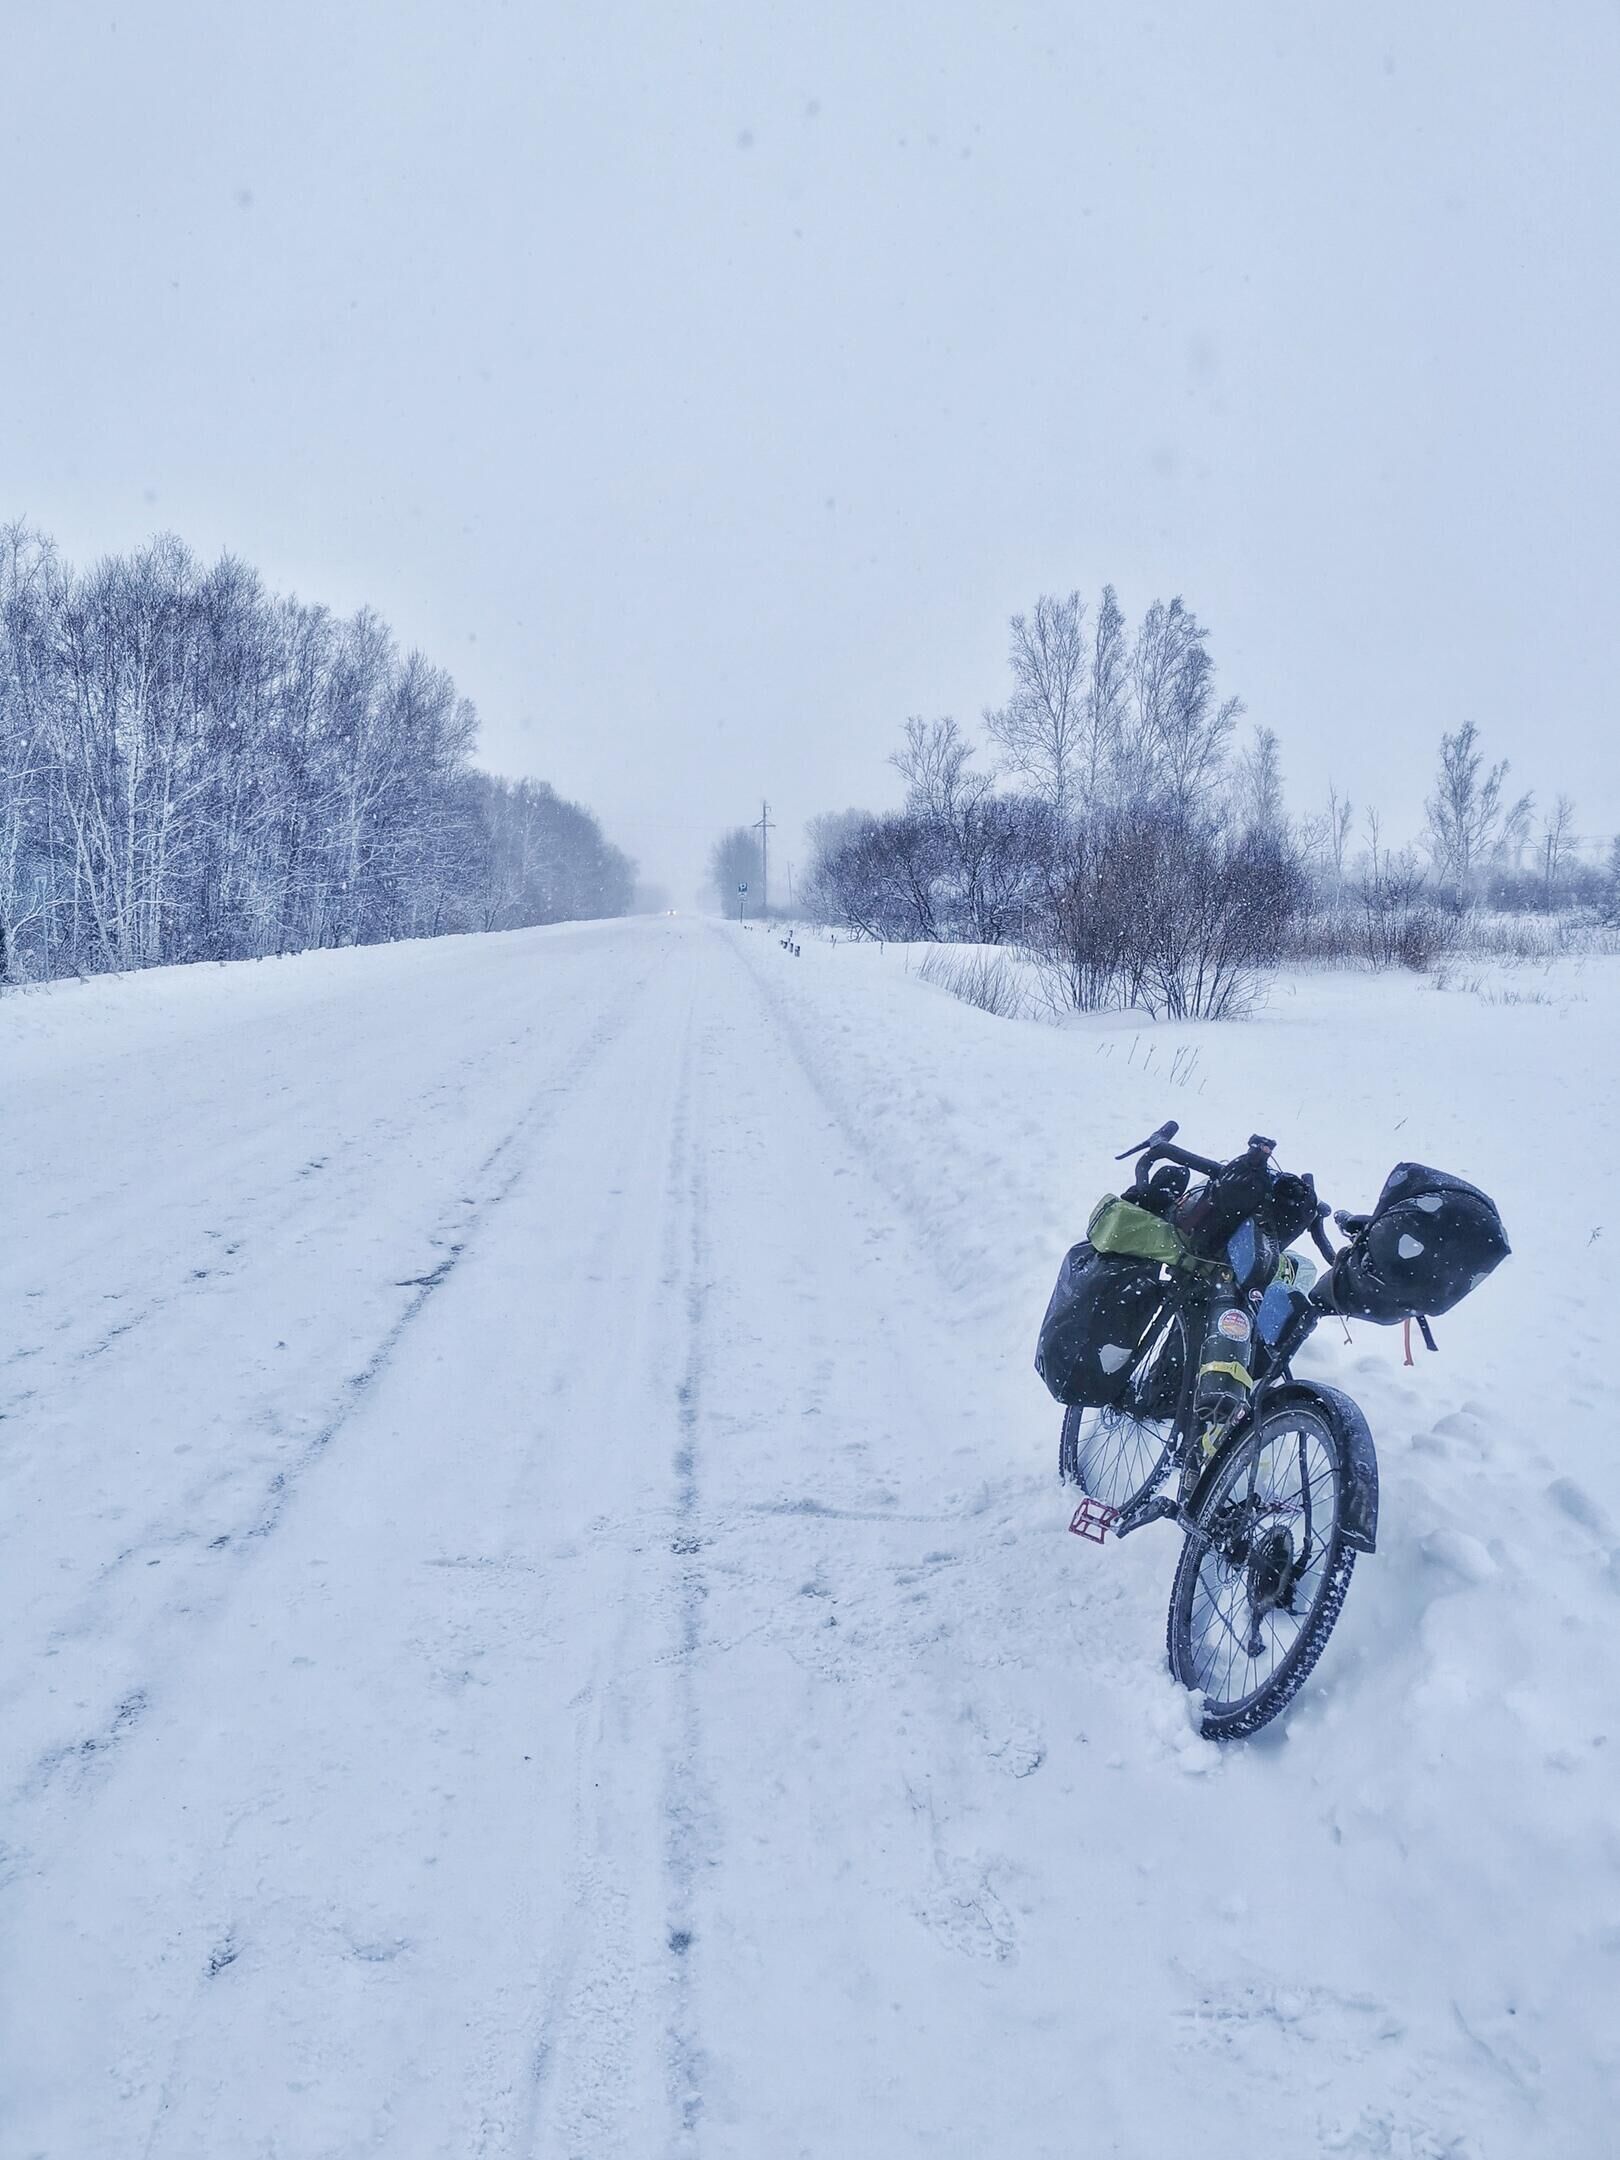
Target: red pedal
pixel 1094 1521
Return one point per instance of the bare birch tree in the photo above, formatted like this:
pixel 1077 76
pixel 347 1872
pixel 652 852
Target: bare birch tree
pixel 1259 785
pixel 1181 734
pixel 1471 818
pixel 1042 729
pixel 1558 844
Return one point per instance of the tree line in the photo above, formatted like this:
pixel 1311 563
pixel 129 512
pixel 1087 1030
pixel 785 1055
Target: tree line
pixel 1114 824
pixel 194 768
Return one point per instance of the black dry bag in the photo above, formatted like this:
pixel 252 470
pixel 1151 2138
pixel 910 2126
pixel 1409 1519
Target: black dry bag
pixel 1430 1240
pixel 1100 1313
pixel 1212 1211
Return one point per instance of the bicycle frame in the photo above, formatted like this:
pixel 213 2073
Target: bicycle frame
pixel 1198 1454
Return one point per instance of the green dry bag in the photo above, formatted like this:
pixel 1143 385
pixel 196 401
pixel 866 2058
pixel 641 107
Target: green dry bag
pixel 1120 1226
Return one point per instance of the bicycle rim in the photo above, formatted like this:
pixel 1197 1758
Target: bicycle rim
pixel 1248 1663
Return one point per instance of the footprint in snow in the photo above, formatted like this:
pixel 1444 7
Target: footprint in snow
pixel 1230 2018
pixel 1461 1425
pixel 1017 1749
pixel 1020 1754
pixel 1376 2131
pixel 967 1916
pixel 1459 1554
pixel 1578 1504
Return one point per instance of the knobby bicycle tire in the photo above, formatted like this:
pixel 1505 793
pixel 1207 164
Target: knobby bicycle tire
pixel 1235 1720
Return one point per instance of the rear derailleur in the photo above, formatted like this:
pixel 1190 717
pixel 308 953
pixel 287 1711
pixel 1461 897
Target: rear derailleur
pixel 1263 1553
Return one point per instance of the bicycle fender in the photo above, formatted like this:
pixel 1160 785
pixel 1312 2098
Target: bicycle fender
pixel 1358 1521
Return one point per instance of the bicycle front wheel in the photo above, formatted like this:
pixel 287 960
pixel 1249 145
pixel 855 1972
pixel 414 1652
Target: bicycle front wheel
pixel 1116 1454
pixel 1263 1576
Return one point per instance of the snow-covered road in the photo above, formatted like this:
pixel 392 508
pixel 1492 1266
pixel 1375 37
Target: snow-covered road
pixel 537 1619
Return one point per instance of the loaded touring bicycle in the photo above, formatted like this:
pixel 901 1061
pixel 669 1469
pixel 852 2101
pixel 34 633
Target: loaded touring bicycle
pixel 1170 1340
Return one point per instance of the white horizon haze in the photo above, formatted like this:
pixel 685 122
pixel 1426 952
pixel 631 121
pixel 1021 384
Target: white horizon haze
pixel 704 385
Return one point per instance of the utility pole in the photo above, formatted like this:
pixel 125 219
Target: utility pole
pixel 764 828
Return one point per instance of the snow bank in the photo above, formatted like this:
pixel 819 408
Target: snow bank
pixel 1424 1856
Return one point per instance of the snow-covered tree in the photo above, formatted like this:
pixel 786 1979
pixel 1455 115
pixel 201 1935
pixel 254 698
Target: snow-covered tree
pixel 191 768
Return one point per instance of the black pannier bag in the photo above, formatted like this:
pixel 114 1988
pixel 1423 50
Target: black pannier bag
pixel 1100 1313
pixel 1430 1240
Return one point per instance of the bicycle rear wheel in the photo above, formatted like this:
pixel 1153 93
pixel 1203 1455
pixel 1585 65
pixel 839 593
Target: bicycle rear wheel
pixel 1115 1454
pixel 1261 1581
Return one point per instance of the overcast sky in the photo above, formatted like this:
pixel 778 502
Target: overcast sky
pixel 704 385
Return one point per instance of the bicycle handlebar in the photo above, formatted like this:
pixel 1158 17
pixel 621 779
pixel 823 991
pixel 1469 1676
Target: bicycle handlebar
pixel 1160 1147
pixel 1167 1151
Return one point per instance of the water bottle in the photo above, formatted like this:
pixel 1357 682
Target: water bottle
pixel 1285 1298
pixel 1226 1361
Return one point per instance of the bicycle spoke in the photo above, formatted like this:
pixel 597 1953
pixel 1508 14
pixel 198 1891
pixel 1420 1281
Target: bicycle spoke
pixel 1120 1452
pixel 1288 1483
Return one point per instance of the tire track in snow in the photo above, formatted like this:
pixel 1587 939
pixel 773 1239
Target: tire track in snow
pixel 558 2017
pixel 868 1774
pixel 88 1757
pixel 931 1239
pixel 589 2081
pixel 688 1808
pixel 619 1984
pixel 232 1248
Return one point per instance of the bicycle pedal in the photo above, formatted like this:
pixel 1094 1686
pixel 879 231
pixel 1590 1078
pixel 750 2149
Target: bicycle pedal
pixel 1093 1521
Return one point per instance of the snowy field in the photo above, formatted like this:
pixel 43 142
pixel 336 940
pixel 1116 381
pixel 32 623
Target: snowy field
pixel 537 1615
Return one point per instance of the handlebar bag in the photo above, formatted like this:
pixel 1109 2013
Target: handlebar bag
pixel 1100 1313
pixel 1430 1240
pixel 1213 1210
